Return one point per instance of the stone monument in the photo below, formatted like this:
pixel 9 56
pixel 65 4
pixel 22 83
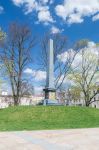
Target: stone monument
pixel 50 91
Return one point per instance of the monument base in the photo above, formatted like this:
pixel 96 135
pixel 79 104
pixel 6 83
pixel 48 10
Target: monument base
pixel 50 102
pixel 50 97
pixel 50 93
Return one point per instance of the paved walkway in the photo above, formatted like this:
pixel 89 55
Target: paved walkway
pixel 72 139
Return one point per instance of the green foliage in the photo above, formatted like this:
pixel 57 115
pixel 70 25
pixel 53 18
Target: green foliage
pixel 2 34
pixel 50 117
pixel 81 44
pixel 75 93
pixel 85 75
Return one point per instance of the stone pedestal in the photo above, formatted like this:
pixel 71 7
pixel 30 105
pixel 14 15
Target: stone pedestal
pixel 50 97
pixel 50 93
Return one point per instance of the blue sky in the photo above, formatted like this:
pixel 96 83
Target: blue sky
pixel 15 10
pixel 77 19
pixel 21 11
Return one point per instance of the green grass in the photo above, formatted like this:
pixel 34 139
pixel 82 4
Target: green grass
pixel 50 117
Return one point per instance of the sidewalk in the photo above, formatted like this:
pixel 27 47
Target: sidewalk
pixel 69 139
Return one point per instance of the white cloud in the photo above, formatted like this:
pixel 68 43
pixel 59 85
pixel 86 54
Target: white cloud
pixel 18 2
pixel 91 55
pixel 51 1
pixel 1 9
pixel 44 1
pixel 66 81
pixel 5 86
pixel 60 11
pixel 30 2
pixel 74 18
pixel 91 44
pixel 38 89
pixel 28 71
pixel 40 7
pixel 55 30
pixel 74 11
pixel 45 16
pixel 38 75
pixel 77 60
pixel 66 55
pixel 90 49
pixel 63 57
pixel 96 17
pixel 71 11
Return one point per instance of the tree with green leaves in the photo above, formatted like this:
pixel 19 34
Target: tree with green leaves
pixel 2 35
pixel 85 74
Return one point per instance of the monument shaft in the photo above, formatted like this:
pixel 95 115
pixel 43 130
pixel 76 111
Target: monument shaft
pixel 50 87
pixel 50 66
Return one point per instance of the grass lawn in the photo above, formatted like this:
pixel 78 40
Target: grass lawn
pixel 49 117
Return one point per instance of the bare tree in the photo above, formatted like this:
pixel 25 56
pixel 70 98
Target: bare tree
pixel 27 88
pixel 16 55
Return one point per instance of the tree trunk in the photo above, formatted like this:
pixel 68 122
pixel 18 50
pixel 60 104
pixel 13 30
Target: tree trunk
pixel 16 100
pixel 87 104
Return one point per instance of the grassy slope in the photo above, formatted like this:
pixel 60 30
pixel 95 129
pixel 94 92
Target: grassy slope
pixel 50 117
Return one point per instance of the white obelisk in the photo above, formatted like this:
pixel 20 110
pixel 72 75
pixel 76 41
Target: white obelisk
pixel 50 66
pixel 50 92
